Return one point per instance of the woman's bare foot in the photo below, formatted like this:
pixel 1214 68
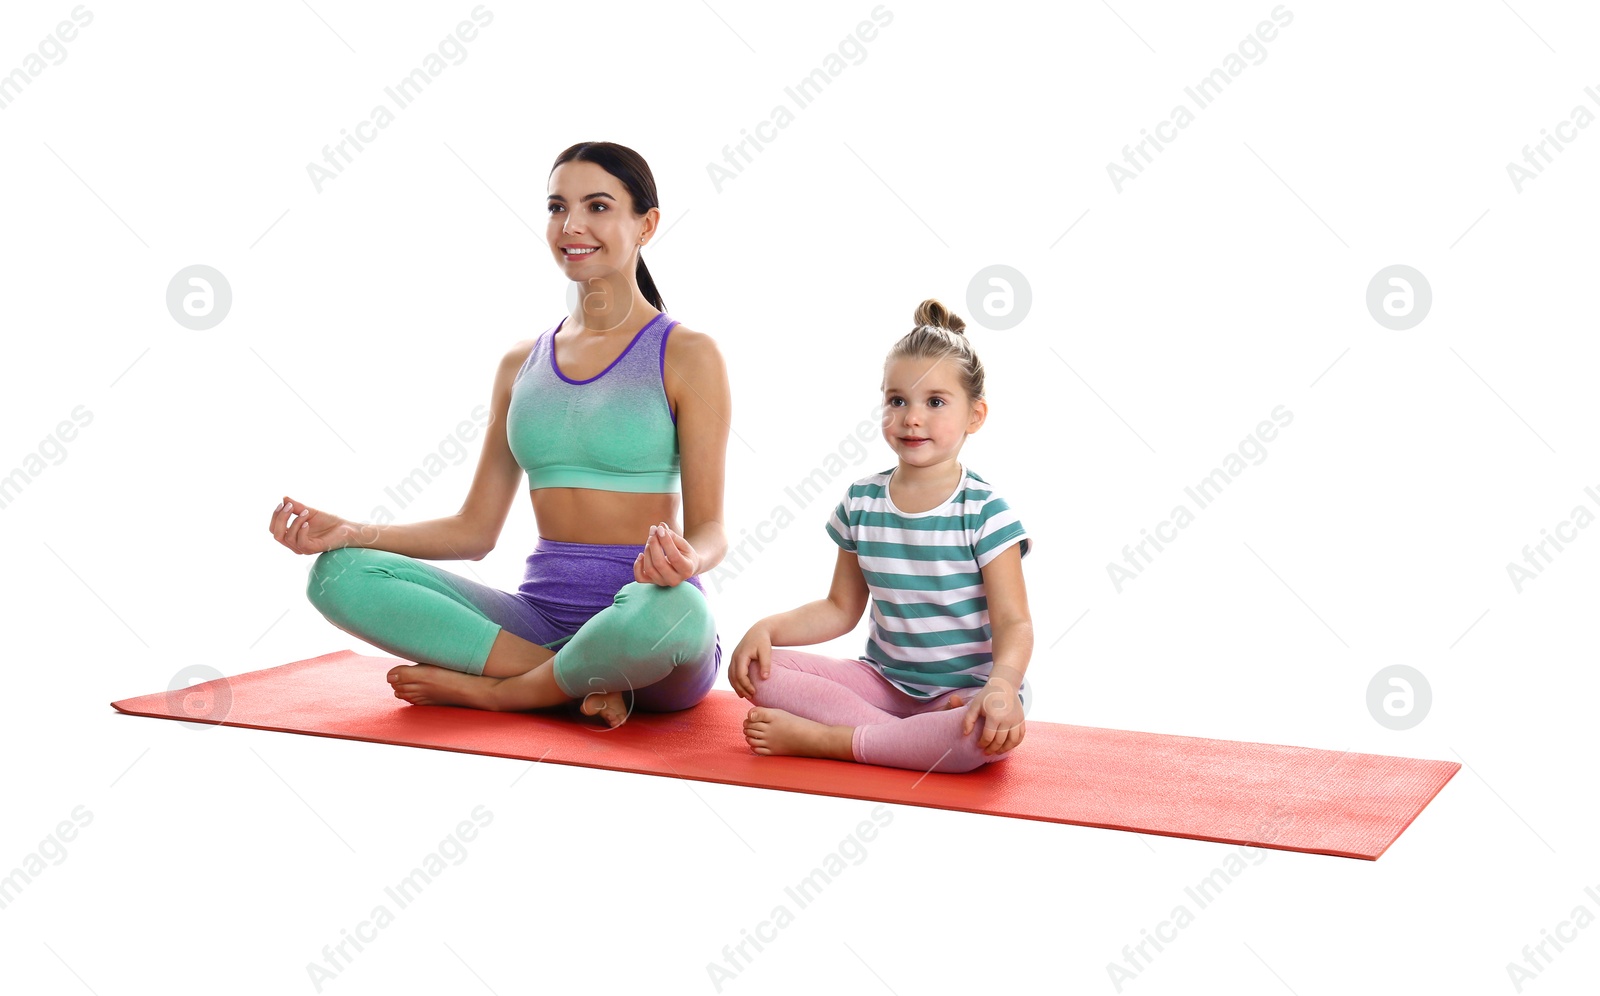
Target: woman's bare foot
pixel 774 731
pixel 429 684
pixel 609 706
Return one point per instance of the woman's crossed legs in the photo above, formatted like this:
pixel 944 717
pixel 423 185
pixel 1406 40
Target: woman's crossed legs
pixel 489 649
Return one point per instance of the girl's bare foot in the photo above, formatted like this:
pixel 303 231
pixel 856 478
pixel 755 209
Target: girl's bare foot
pixel 429 684
pixel 609 706
pixel 774 731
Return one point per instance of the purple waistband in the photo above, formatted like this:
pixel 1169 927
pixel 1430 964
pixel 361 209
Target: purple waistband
pixel 617 559
pixel 598 549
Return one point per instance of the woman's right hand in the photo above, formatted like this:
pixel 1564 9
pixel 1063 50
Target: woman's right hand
pixel 312 530
pixel 755 648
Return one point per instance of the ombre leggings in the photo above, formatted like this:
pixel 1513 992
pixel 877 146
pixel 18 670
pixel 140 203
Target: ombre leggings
pixel 658 645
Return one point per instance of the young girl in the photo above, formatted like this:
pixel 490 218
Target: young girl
pixel 939 552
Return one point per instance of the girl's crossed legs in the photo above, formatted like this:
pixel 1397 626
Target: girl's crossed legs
pixel 803 706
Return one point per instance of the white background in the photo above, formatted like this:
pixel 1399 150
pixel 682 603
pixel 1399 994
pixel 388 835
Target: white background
pixel 1227 279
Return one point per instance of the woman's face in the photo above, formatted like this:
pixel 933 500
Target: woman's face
pixel 593 230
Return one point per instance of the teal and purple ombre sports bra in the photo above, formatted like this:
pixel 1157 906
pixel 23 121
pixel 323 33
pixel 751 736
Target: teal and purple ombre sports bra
pixel 613 432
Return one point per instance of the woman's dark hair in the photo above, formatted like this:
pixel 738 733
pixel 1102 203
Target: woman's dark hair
pixel 629 167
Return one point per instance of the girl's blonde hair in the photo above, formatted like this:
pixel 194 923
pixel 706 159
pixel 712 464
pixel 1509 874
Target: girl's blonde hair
pixel 939 334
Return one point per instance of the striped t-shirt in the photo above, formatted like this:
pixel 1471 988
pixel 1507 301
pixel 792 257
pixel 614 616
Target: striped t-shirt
pixel 930 616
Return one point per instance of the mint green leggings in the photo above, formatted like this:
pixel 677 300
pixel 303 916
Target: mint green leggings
pixel 657 645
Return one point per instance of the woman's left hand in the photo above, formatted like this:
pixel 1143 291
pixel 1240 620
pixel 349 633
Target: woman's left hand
pixel 668 559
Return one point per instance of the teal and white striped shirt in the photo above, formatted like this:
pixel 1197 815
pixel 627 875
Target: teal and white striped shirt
pixel 929 631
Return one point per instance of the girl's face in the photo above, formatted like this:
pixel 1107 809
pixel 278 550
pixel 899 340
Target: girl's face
pixel 592 230
pixel 926 413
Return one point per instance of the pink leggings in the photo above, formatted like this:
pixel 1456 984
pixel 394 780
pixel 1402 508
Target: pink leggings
pixel 891 728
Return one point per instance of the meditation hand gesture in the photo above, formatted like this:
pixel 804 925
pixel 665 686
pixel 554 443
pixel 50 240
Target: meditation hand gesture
pixel 1001 710
pixel 668 559
pixel 313 531
pixel 754 652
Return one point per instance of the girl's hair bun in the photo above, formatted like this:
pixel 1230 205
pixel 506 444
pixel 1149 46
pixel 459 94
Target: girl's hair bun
pixel 931 312
pixel 939 335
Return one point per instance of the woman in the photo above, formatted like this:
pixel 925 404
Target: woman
pixel 608 413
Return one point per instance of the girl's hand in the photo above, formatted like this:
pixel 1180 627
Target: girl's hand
pixel 668 559
pixel 1001 710
pixel 313 530
pixel 755 648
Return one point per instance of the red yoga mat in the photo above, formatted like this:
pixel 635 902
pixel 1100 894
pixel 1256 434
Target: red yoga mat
pixel 1290 798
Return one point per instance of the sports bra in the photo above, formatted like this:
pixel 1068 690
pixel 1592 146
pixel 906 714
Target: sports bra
pixel 614 431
